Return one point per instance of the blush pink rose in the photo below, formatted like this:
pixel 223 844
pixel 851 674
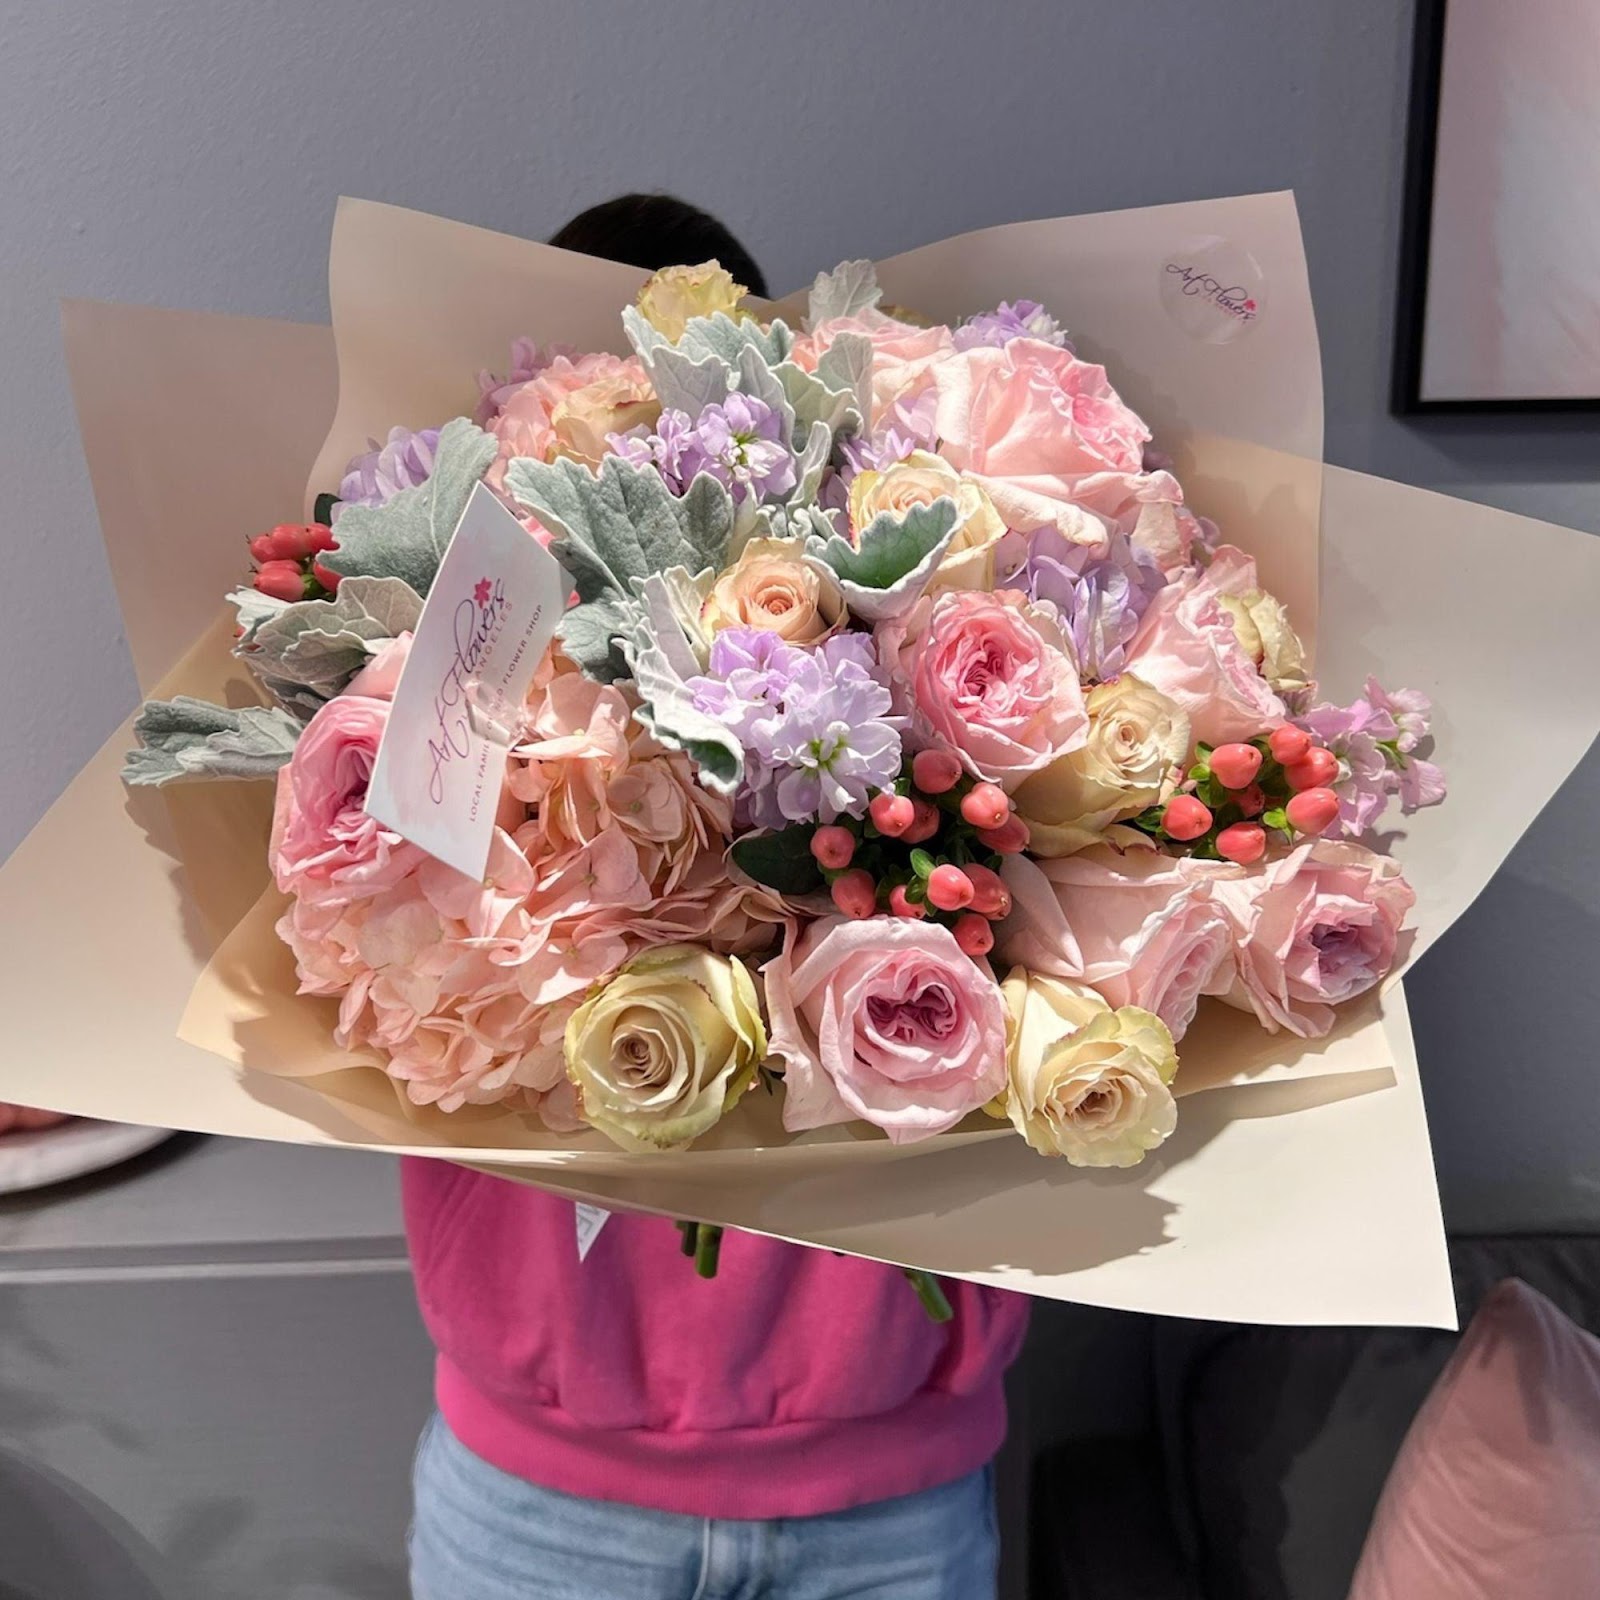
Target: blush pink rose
pixel 1048 437
pixel 885 1020
pixel 992 679
pixel 379 679
pixel 1138 926
pixel 1188 648
pixel 324 845
pixel 904 358
pixel 1312 930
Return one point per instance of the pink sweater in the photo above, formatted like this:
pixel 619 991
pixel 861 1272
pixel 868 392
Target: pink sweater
pixel 794 1383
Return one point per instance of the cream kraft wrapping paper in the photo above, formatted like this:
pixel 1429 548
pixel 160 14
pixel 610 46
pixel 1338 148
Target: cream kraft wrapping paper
pixel 1265 1203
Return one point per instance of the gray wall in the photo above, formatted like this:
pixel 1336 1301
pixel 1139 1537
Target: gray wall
pixel 189 154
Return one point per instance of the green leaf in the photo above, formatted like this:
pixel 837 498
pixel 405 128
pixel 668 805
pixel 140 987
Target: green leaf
pixel 851 288
pixel 322 510
pixel 886 571
pixel 322 644
pixel 1277 818
pixel 623 523
pixel 782 861
pixel 922 863
pixel 406 538
pixel 1199 772
pixel 187 738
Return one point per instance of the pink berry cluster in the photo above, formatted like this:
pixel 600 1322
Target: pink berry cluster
pixel 929 847
pixel 1238 796
pixel 286 561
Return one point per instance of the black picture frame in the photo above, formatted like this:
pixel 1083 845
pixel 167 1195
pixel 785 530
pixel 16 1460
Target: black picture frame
pixel 1416 227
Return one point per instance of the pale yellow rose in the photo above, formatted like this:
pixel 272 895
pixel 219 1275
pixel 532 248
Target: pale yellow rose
pixel 1084 1081
pixel 613 404
pixel 1262 623
pixel 776 586
pixel 919 480
pixel 675 294
pixel 1130 761
pixel 665 1046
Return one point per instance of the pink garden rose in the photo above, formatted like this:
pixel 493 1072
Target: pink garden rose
pixel 379 679
pixel 1140 927
pixel 886 1020
pixel 324 845
pixel 1048 437
pixel 1188 647
pixel 1312 930
pixel 992 679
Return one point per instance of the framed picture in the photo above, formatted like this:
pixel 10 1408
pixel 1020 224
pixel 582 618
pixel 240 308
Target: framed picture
pixel 1499 306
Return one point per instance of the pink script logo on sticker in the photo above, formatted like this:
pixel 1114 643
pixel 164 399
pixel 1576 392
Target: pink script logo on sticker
pixel 1233 300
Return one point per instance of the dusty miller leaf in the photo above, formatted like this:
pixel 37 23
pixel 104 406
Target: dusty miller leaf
pixel 889 566
pixel 187 738
pixel 322 644
pixel 592 633
pixel 681 382
pixel 406 538
pixel 845 368
pixel 253 608
pixel 851 288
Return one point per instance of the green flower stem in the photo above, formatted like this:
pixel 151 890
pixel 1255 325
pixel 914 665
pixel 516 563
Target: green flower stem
pixel 688 1230
pixel 930 1293
pixel 708 1241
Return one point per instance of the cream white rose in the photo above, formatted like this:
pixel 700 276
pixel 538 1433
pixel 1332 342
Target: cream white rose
pixel 677 294
pixel 776 586
pixel 919 480
pixel 1084 1081
pixel 1262 623
pixel 662 1049
pixel 1137 739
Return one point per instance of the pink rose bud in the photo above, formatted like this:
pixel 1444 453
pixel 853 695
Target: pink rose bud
pixel 1312 810
pixel 935 771
pixel 1009 839
pixel 1185 818
pixel 283 580
pixel 949 888
pixel 986 805
pixel 1288 744
pixel 855 894
pixel 892 814
pixel 899 906
pixel 1235 765
pixel 1244 842
pixel 1252 801
pixel 973 933
pixel 990 897
pixel 326 576
pixel 1316 769
pixel 833 846
pixel 926 824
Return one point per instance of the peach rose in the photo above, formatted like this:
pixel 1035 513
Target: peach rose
pixel 1313 929
pixel 611 404
pixel 992 679
pixel 904 357
pixel 1139 927
pixel 885 1020
pixel 919 480
pixel 1188 647
pixel 774 585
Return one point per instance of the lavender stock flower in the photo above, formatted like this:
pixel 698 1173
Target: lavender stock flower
pixel 1376 738
pixel 739 442
pixel 1011 319
pixel 403 461
pixel 1101 595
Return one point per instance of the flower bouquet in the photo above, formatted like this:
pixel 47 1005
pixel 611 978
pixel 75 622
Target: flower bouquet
pixel 882 750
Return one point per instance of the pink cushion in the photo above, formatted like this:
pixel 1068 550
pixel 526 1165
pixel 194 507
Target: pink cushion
pixel 1495 1494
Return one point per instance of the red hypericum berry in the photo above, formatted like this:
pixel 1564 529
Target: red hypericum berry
pixel 973 933
pixel 264 548
pixel 326 576
pixel 986 805
pixel 949 888
pixel 892 814
pixel 935 771
pixel 1185 818
pixel 855 894
pixel 1244 842
pixel 1312 810
pixel 1235 765
pixel 321 537
pixel 283 580
pixel 1252 801
pixel 926 824
pixel 990 897
pixel 833 846
pixel 1316 769
pixel 1288 744
pixel 899 906
pixel 1009 839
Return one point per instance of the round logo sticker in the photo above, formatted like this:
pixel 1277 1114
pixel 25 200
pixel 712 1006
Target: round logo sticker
pixel 1212 289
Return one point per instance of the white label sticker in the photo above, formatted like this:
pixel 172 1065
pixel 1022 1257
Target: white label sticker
pixel 591 1219
pixel 490 614
pixel 1213 290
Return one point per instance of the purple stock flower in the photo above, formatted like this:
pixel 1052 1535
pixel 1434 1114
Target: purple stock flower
pixel 815 724
pixel 403 461
pixel 740 443
pixel 1101 595
pixel 1011 319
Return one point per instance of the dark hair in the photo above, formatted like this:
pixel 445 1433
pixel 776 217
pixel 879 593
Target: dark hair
pixel 652 231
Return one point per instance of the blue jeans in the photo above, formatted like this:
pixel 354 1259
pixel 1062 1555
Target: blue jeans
pixel 480 1534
